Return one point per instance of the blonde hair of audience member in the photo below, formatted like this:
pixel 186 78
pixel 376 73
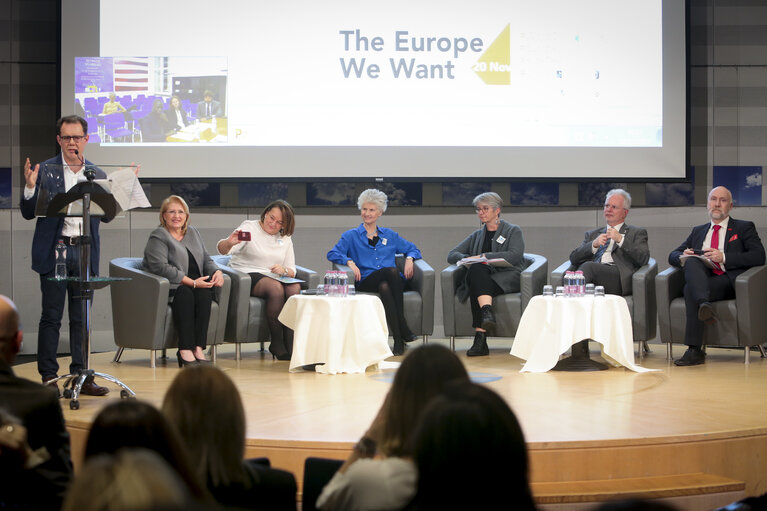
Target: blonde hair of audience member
pixel 10 330
pixel 422 375
pixel 130 480
pixel 166 204
pixel 205 407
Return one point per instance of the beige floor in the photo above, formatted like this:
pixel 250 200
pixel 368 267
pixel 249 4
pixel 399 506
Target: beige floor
pixel 579 426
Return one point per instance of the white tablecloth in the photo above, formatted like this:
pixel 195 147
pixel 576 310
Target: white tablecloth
pixel 550 325
pixel 346 335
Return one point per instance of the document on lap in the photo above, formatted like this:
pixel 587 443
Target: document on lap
pixel 684 257
pixel 284 280
pixel 499 261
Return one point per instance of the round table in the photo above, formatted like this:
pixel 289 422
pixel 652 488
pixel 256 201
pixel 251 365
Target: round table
pixel 344 335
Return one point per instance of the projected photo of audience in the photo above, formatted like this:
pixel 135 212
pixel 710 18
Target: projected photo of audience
pixel 670 194
pixel 593 194
pixel 260 194
pixel 331 194
pixel 198 194
pixel 5 187
pixel 151 100
pixel 534 194
pixel 745 183
pixel 460 194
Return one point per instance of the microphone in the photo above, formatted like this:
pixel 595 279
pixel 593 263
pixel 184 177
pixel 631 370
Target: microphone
pixel 90 174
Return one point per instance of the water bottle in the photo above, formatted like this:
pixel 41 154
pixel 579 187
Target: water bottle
pixel 326 283
pixel 61 260
pixel 581 279
pixel 568 284
pixel 333 283
pixel 343 288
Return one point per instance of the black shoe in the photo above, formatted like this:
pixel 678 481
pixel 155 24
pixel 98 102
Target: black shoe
pixel 181 361
pixel 409 337
pixel 706 313
pixel 692 357
pixel 488 318
pixel 90 388
pixel 399 347
pixel 54 385
pixel 479 348
pixel 279 355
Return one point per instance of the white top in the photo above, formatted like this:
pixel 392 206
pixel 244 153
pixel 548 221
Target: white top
pixel 379 484
pixel 263 251
pixel 707 241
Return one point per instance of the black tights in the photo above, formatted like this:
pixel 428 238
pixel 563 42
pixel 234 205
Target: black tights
pixel 276 294
pixel 480 283
pixel 191 315
pixel 390 286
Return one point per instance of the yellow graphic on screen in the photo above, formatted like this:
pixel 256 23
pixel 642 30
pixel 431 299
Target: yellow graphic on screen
pixel 493 66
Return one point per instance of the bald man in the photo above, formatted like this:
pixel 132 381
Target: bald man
pixel 37 406
pixel 733 246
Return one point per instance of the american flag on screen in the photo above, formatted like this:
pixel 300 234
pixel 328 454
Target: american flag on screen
pixel 131 74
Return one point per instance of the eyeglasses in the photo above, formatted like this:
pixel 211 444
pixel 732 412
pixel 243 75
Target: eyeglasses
pixel 278 222
pixel 75 138
pixel 484 209
pixel 172 212
pixel 610 206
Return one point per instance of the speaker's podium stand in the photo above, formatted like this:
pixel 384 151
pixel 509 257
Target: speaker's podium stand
pixel 52 201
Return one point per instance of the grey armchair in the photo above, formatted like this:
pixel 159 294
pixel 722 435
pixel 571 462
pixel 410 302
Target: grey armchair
pixel 508 308
pixel 141 314
pixel 641 302
pixel 741 322
pixel 246 318
pixel 419 299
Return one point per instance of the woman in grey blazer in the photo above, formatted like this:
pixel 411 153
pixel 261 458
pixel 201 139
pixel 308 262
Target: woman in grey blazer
pixel 176 251
pixel 496 239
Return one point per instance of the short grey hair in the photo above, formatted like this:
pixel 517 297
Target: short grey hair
pixel 623 193
pixel 492 199
pixel 373 196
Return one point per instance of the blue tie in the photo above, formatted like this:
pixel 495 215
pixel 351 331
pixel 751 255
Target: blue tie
pixel 600 251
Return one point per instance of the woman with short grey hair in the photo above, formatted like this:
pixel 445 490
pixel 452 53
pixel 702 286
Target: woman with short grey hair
pixel 370 252
pixel 496 239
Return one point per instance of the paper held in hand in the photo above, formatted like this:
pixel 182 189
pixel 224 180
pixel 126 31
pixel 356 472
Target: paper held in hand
pixel 684 257
pixel 499 261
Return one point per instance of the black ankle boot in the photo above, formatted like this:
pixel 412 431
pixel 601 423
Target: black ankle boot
pixel 479 348
pixel 488 318
pixel 399 347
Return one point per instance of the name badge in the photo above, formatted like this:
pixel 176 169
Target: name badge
pixel 279 241
pixel 383 241
pixel 500 240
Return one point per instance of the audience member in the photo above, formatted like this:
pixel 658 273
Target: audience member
pixel 176 115
pixel 728 247
pixel 127 424
pixel 34 407
pixel 370 252
pixel 176 251
pixel 610 255
pixel 128 480
pixel 266 256
pixel 388 481
pixel 154 127
pixel 470 452
pixel 204 406
pixel 112 106
pixel 496 239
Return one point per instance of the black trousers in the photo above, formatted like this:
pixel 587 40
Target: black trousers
pixel 606 275
pixel 480 283
pixel 388 283
pixel 191 315
pixel 701 285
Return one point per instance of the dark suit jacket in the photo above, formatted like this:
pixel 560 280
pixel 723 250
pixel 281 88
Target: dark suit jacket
pixel 512 248
pixel 629 257
pixel 215 107
pixel 48 229
pixel 742 246
pixel 170 115
pixel 37 406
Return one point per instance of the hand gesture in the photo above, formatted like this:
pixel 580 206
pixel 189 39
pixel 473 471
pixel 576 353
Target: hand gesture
pixel 613 234
pixel 713 254
pixel 30 174
pixel 600 240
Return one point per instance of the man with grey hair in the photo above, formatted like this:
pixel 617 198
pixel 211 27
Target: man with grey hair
pixel 41 486
pixel 610 255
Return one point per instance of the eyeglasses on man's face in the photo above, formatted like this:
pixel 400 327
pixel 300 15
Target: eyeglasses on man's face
pixel 72 138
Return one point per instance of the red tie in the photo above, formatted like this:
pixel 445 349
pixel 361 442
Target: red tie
pixel 715 244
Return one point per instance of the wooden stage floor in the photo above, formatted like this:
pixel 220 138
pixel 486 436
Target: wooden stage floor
pixel 603 425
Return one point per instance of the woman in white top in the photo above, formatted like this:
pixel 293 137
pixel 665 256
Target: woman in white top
pixel 267 256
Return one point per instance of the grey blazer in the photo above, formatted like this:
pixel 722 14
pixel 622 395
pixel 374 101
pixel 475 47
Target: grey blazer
pixel 167 257
pixel 634 253
pixel 511 248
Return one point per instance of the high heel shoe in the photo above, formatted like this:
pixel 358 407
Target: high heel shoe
pixel 279 355
pixel 182 362
pixel 201 360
